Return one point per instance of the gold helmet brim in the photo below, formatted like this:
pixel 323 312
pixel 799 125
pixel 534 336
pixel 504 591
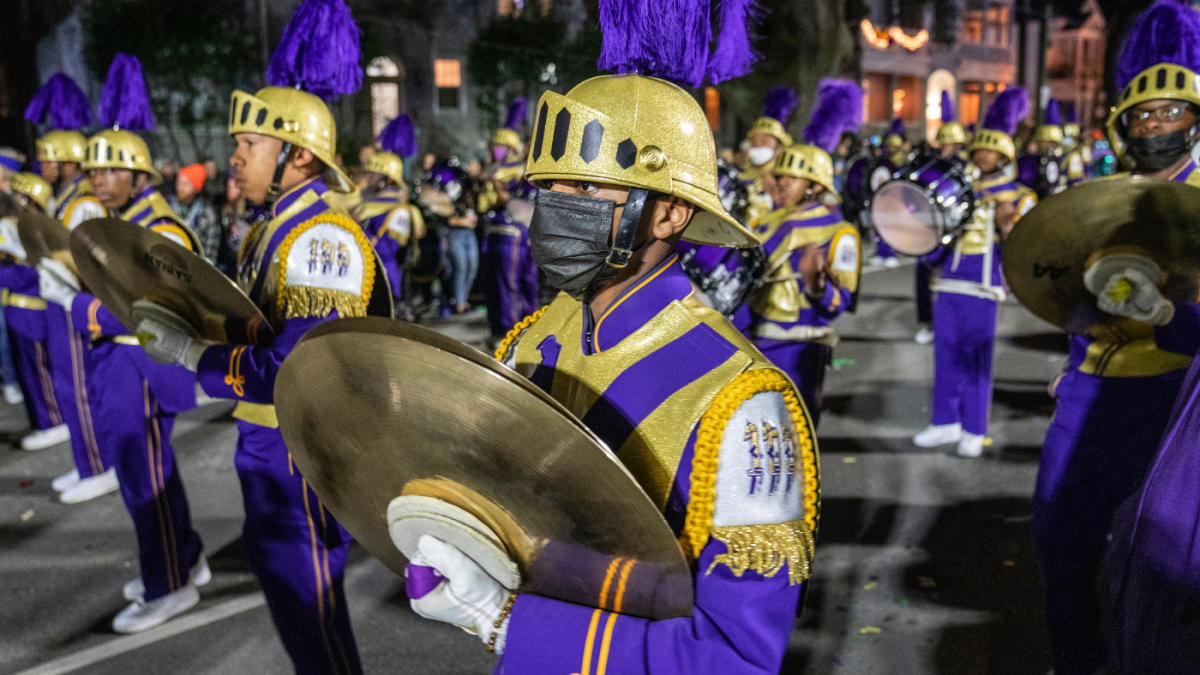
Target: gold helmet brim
pixel 33 186
pixel 951 133
pixel 991 139
pixel 635 131
pixel 1160 81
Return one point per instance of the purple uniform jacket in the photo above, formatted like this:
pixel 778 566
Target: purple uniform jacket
pixel 660 341
pixel 388 244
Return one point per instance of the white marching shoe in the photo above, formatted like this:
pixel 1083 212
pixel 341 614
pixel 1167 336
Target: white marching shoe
pixel 90 488
pixel 40 440
pixel 971 445
pixel 199 576
pixel 938 434
pixel 141 615
pixel 924 335
pixel 12 394
pixel 66 481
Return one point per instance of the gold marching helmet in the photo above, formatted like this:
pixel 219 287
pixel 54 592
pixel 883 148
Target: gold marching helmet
pixel 951 133
pixel 119 149
pixel 771 127
pixel 35 187
pixel 292 116
pixel 507 137
pixel 1160 81
pixel 992 139
pixel 61 146
pixel 810 162
pixel 388 164
pixel 1052 133
pixel 641 132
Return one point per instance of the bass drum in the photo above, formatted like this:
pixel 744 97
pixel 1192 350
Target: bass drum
pixel 924 206
pixel 864 176
pixel 725 275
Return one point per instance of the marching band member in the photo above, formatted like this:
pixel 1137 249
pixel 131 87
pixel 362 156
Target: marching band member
pixel 1076 162
pixel 813 256
pixel 768 137
pixel 1116 395
pixel 387 218
pixel 896 151
pixel 11 162
pixel 682 396
pixel 61 152
pixel 969 287
pixel 137 398
pixel 1041 171
pixel 308 264
pixel 951 137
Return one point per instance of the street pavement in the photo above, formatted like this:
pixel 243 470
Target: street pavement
pixel 923 566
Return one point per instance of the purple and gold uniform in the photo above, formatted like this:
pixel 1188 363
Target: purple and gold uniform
pixel 135 401
pixel 389 224
pixel 969 286
pixel 510 277
pixel 25 315
pixel 791 327
pixel 308 264
pixel 720 441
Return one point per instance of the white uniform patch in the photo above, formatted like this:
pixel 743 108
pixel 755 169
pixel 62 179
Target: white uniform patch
pixel 399 224
pixel 84 211
pixel 1026 204
pixel 760 474
pixel 1075 166
pixel 326 256
pixel 175 237
pixel 845 255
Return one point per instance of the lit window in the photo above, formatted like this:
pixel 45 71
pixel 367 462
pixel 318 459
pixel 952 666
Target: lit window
pixel 447 77
pixel 968 103
pixel 972 27
pixel 382 66
pixel 997 26
pixel 712 107
pixel 385 77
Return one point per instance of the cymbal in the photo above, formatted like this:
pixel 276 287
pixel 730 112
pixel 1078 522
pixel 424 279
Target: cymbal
pixel 41 235
pixel 1047 252
pixel 373 409
pixel 122 263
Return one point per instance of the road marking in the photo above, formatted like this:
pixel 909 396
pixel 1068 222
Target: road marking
pixel 123 645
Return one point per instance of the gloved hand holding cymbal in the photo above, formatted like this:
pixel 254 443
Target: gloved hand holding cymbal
pixel 166 337
pixel 1126 284
pixel 465 595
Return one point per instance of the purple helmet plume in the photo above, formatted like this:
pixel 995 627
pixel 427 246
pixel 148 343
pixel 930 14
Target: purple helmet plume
pixel 1007 110
pixel 319 51
pixel 398 137
pixel 1168 32
pixel 1072 115
pixel 1053 115
pixel 63 102
pixel 779 104
pixel 517 111
pixel 838 109
pixel 124 102
pixel 734 56
pixel 947 108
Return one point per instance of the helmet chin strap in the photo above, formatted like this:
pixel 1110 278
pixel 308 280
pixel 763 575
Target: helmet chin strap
pixel 277 180
pixel 622 248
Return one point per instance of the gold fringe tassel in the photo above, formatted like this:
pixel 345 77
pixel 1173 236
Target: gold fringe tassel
pixel 306 301
pixel 765 549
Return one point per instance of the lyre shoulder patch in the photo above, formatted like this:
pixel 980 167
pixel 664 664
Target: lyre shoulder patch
pixel 760 473
pixel 844 257
pixel 327 263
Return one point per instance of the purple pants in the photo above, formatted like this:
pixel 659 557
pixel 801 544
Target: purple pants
pixel 298 552
pixel 33 374
pixel 1103 437
pixel 805 363
pixel 74 383
pixel 137 434
pixel 964 338
pixel 510 281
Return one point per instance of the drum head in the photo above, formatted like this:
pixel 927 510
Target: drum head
pixel 906 218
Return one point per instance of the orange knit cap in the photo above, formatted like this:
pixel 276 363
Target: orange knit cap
pixel 194 173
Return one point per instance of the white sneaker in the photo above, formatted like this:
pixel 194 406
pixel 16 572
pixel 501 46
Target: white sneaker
pixel 924 335
pixel 971 445
pixel 90 488
pixel 199 576
pixel 891 262
pixel 140 616
pixel 40 440
pixel 938 434
pixel 66 481
pixel 12 394
pixel 876 261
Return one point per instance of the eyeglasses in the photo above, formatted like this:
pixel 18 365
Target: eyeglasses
pixel 1168 113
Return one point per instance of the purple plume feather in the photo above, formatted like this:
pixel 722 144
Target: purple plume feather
pixel 1072 115
pixel 124 101
pixel 1168 32
pixel 63 102
pixel 779 103
pixel 319 51
pixel 1007 110
pixel 734 55
pixel 898 127
pixel 667 39
pixel 517 111
pixel 947 108
pixel 838 109
pixel 1053 115
pixel 398 137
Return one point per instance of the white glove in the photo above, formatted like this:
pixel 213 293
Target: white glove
pixel 166 337
pixel 56 283
pixel 1127 285
pixel 467 597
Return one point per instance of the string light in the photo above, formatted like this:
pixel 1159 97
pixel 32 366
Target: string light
pixel 881 39
pixel 877 38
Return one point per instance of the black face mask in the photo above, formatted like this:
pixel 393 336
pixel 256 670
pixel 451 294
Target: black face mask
pixel 1158 152
pixel 569 235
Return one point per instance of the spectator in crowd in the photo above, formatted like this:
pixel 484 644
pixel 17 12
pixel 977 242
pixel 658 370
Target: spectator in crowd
pixel 236 221
pixel 214 187
pixel 190 204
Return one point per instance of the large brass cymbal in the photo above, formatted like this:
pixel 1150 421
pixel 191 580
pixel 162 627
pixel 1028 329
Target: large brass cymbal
pixel 373 409
pixel 1048 251
pixel 41 235
pixel 122 263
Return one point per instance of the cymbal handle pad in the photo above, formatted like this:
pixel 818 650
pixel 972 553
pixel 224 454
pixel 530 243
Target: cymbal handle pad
pixel 420 580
